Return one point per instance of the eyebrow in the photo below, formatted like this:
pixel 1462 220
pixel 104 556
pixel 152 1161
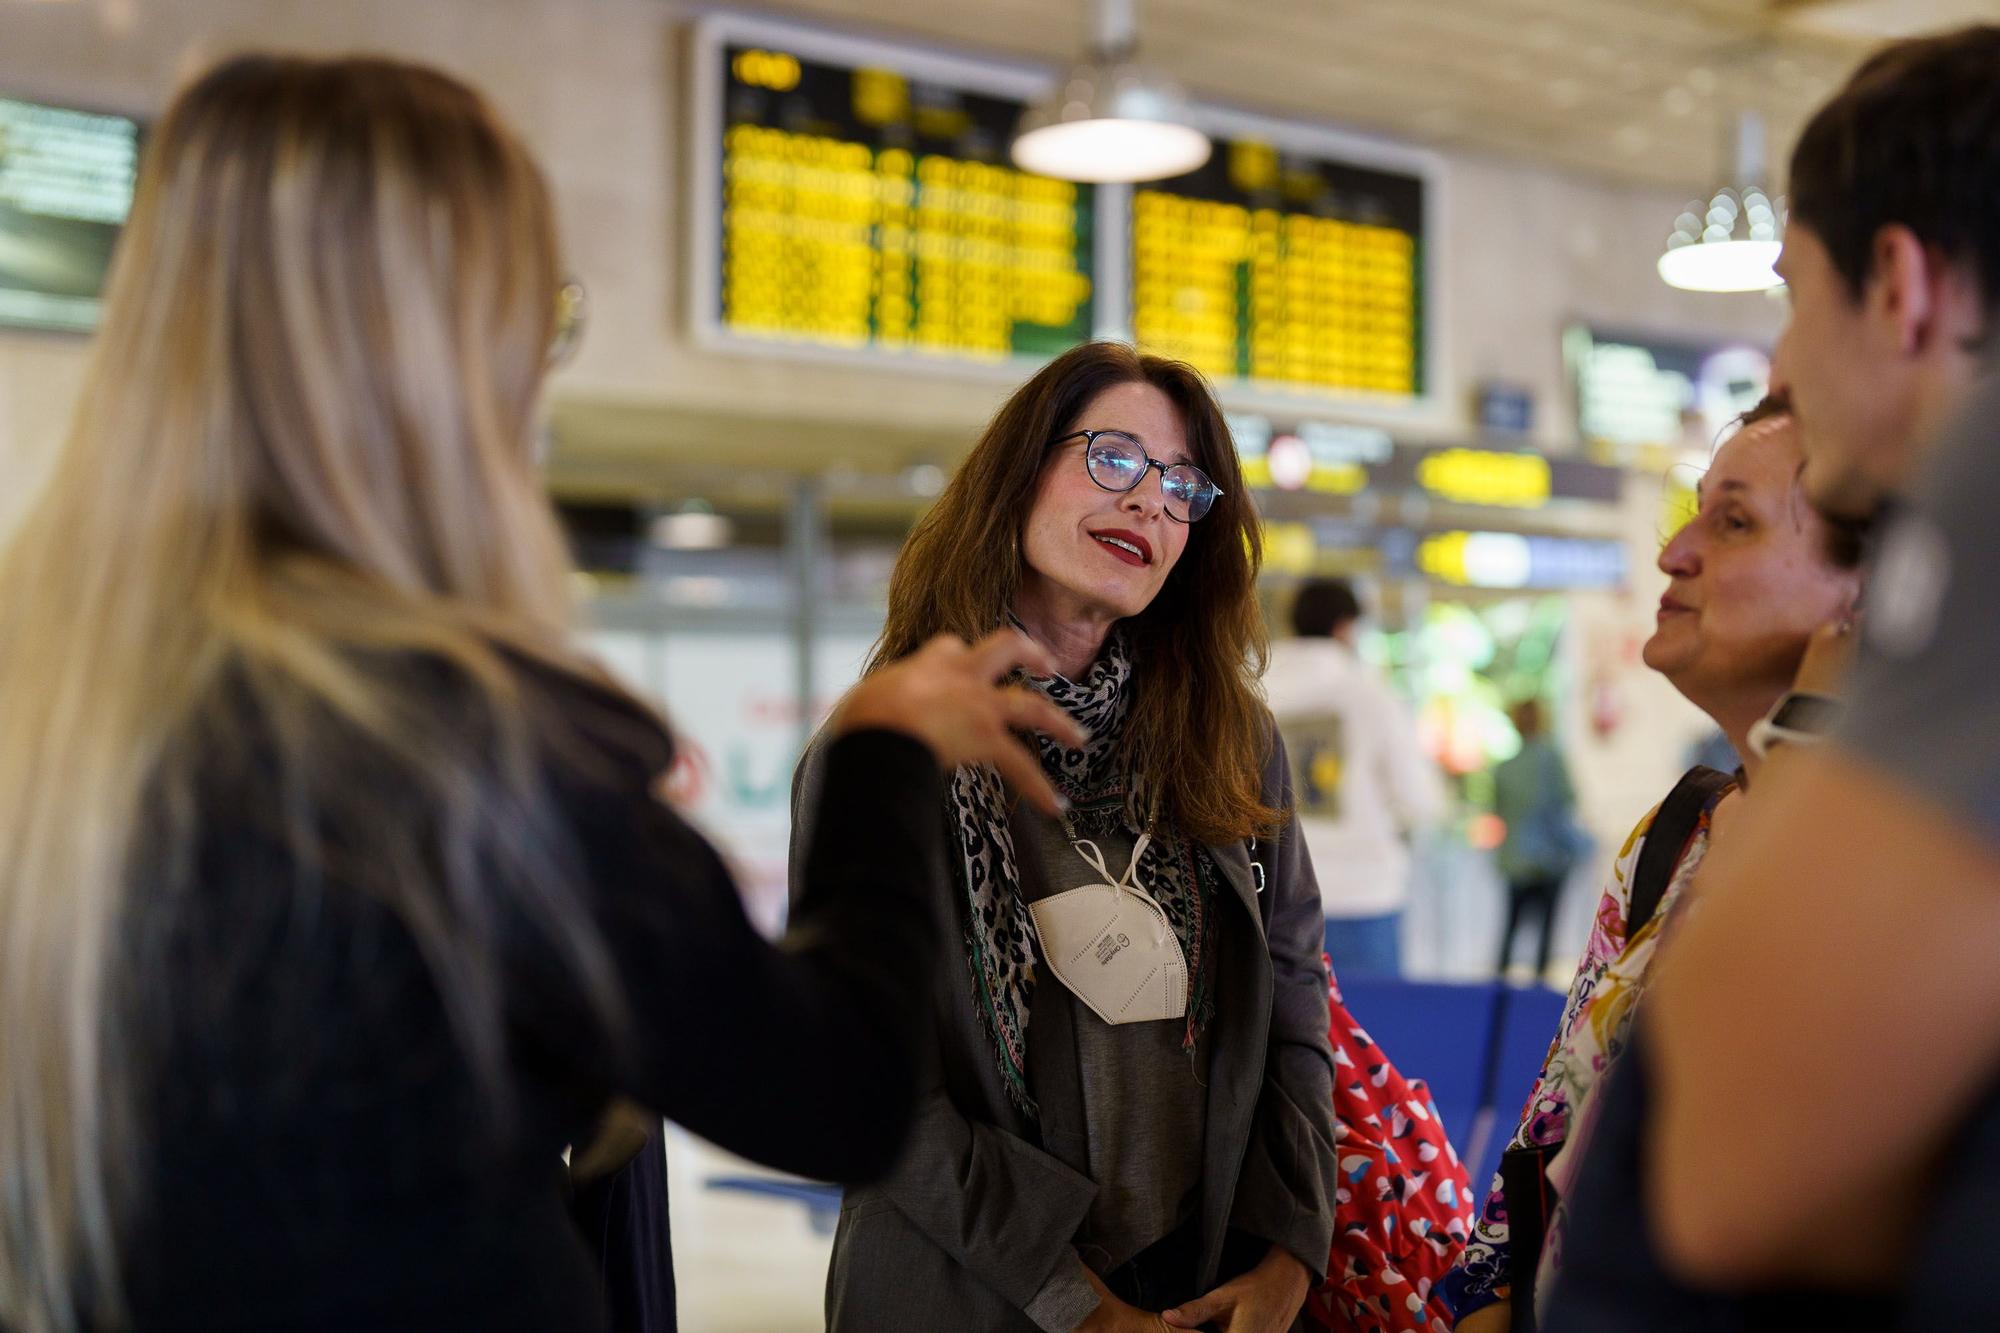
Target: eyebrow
pixel 1182 459
pixel 1727 484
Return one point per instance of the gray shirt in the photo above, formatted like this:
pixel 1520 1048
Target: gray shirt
pixel 1145 1099
pixel 1926 700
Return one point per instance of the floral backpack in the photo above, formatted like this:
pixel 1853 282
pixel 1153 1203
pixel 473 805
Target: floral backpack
pixel 1404 1204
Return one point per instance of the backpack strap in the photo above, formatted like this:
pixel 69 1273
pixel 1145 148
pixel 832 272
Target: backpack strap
pixel 1667 840
pixel 1531 1204
pixel 1524 1172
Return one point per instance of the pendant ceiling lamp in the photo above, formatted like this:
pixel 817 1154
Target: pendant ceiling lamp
pixel 1731 243
pixel 1110 118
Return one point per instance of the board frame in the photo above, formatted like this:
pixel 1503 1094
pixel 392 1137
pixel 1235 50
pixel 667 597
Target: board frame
pixel 998 77
pixel 1361 150
pixel 714 29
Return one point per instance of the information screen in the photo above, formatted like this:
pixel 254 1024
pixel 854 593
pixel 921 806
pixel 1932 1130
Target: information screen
pixel 864 207
pixel 66 181
pixel 1296 270
pixel 1638 395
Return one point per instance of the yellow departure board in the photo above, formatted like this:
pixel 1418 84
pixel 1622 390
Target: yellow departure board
pixel 1294 271
pixel 864 207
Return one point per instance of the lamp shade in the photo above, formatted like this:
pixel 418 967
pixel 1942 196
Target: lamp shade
pixel 1110 121
pixel 1730 246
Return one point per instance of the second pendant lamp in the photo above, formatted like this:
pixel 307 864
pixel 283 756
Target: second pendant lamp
pixel 1730 244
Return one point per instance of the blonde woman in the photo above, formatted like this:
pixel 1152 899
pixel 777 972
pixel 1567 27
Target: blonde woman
pixel 333 897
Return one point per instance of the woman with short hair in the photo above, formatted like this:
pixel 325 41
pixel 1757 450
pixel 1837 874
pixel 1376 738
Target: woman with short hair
pixel 1754 573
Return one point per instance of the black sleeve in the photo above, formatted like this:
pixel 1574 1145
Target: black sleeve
pixel 801 1054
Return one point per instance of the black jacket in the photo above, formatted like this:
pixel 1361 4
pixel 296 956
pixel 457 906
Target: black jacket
pixel 317 1150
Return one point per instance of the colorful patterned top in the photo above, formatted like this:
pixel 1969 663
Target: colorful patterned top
pixel 1404 1204
pixel 1609 980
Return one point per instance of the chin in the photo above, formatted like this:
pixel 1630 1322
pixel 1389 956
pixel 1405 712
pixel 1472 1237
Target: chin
pixel 1121 598
pixel 1127 606
pixel 1661 658
pixel 1842 492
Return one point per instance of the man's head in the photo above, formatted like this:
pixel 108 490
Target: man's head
pixel 1325 608
pixel 1892 258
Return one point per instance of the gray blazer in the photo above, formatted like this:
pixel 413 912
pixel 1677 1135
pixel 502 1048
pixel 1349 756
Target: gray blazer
pixel 985 1203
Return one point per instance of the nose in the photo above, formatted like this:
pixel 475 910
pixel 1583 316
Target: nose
pixel 1681 556
pixel 1149 498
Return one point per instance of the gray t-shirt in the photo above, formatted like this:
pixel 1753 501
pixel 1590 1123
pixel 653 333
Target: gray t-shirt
pixel 1145 1100
pixel 1926 701
pixel 1926 712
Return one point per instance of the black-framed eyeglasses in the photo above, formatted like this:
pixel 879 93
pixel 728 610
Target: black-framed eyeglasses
pixel 572 310
pixel 1117 462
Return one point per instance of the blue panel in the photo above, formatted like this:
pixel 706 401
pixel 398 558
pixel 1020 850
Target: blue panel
pixel 1528 1025
pixel 1434 1031
pixel 822 1202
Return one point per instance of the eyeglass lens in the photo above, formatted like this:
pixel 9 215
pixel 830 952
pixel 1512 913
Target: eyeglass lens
pixel 1117 462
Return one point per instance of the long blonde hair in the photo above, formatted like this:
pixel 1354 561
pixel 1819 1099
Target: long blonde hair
pixel 302 454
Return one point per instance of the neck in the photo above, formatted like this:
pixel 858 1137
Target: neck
pixel 1736 717
pixel 1072 631
pixel 1941 394
pixel 1751 763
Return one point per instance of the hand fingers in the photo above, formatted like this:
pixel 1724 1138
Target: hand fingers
pixel 939 648
pixel 1004 649
pixel 1200 1310
pixel 1023 772
pixel 1029 711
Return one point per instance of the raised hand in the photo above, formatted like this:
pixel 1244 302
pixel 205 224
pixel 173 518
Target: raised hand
pixel 947 694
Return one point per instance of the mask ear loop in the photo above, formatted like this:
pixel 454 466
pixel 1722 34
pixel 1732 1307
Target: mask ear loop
pixel 1126 883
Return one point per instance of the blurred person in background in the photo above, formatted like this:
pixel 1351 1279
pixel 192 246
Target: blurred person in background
pixel 1360 782
pixel 1754 574
pixel 1087 1155
pixel 1536 802
pixel 1360 778
pixel 1805 1132
pixel 334 896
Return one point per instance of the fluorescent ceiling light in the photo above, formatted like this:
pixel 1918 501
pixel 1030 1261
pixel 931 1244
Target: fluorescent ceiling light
pixel 692 530
pixel 1730 244
pixel 1723 266
pixel 1110 118
pixel 1102 149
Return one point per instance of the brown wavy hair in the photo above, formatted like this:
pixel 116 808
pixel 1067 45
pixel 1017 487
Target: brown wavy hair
pixel 1198 730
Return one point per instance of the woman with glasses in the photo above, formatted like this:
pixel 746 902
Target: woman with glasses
pixel 334 895
pixel 1128 1124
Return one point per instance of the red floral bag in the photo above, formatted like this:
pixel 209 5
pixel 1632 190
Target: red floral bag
pixel 1404 1205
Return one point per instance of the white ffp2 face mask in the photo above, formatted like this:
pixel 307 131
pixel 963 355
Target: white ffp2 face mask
pixel 1112 945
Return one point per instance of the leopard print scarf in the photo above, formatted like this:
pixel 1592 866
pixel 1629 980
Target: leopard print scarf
pixel 1177 871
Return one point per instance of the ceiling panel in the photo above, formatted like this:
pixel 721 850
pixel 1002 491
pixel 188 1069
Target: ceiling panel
pixel 1635 90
